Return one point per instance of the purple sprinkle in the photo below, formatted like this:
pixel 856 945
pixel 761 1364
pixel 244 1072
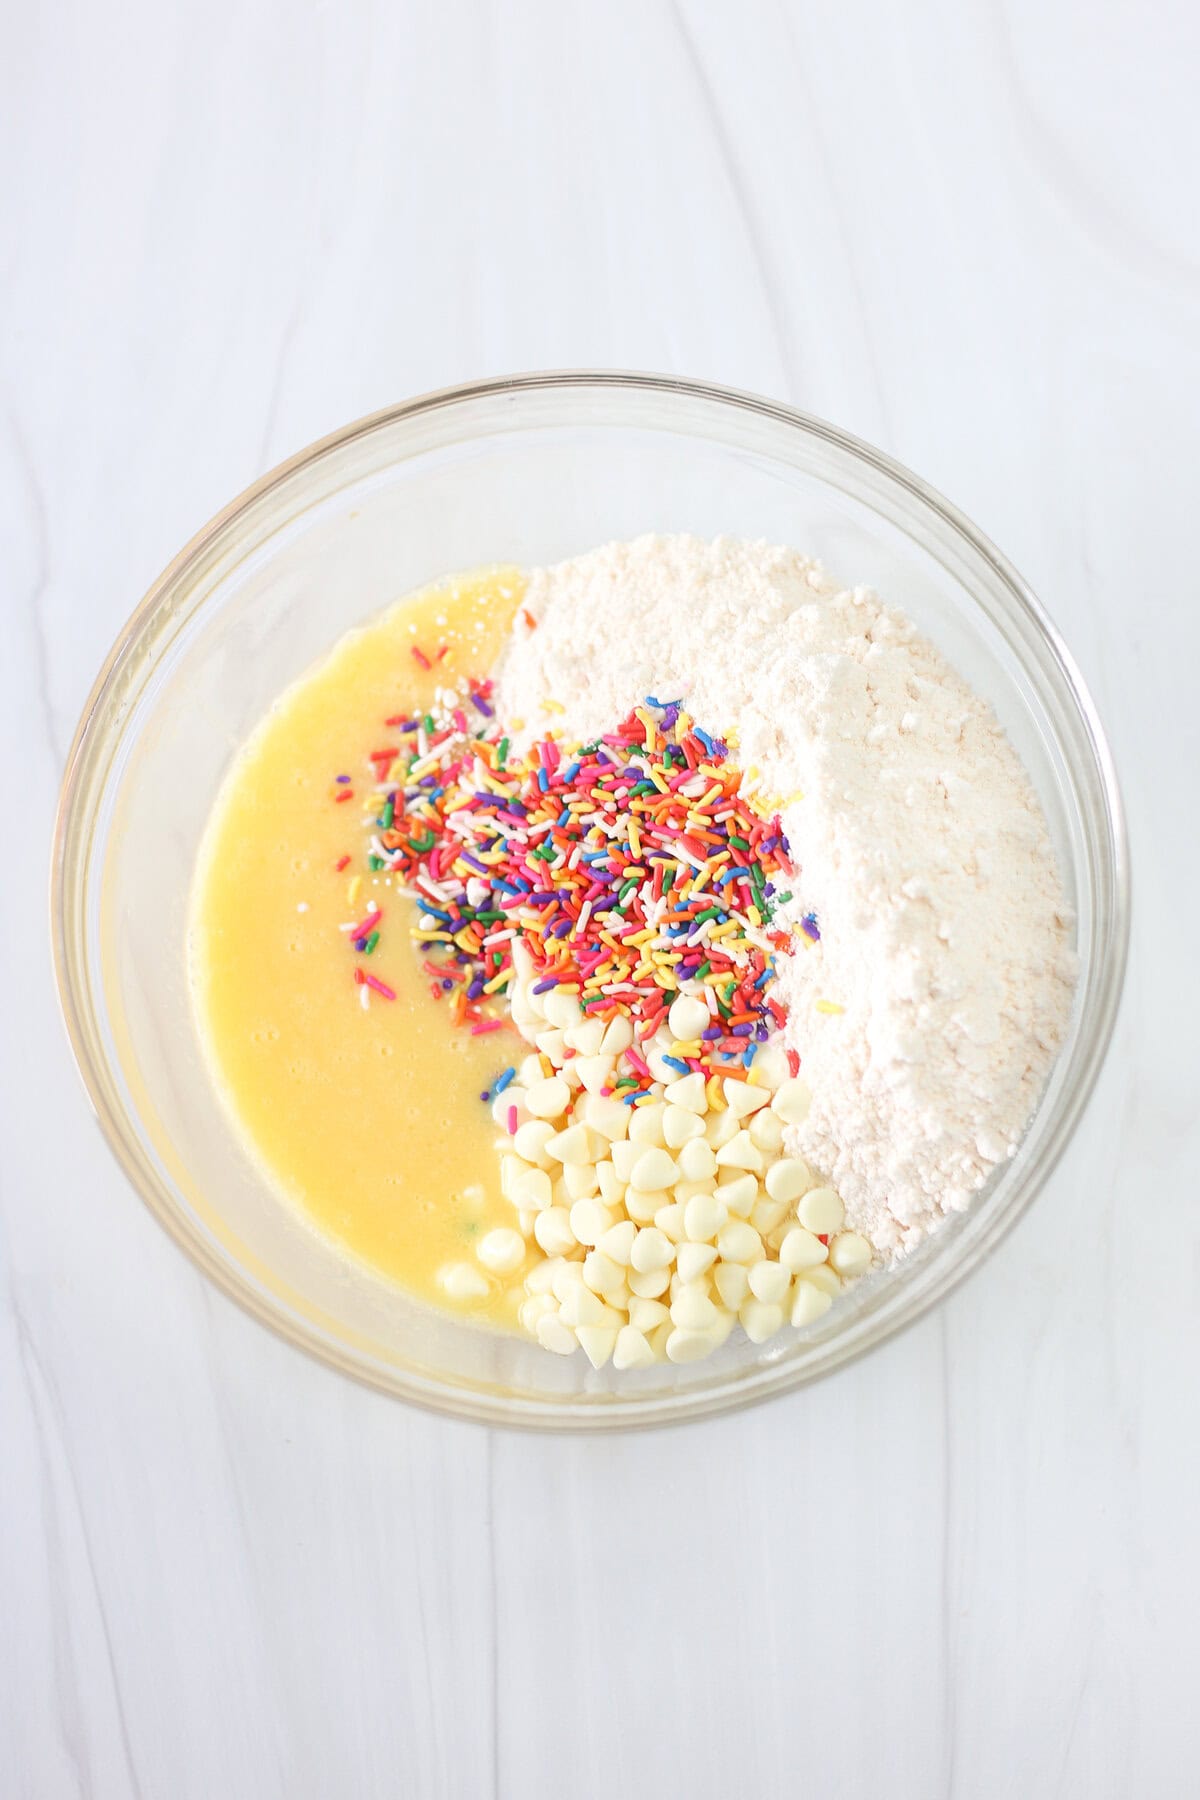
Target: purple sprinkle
pixel 713 1032
pixel 446 986
pixel 543 987
pixel 482 706
pixel 810 928
pixel 476 988
pixel 342 778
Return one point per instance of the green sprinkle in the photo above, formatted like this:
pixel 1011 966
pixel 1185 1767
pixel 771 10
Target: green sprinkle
pixel 502 753
pixel 387 815
pixel 710 912
pixel 370 944
pixel 739 843
pixel 630 887
pixel 703 970
pixel 374 862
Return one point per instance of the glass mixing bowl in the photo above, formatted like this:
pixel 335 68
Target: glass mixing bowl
pixel 526 470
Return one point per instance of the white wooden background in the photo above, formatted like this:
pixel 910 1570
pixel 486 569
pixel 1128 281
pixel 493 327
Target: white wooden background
pixel 967 231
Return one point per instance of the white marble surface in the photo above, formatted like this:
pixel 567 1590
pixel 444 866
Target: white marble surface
pixel 967 1567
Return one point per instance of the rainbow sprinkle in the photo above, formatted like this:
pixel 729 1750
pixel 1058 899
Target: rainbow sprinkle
pixel 630 868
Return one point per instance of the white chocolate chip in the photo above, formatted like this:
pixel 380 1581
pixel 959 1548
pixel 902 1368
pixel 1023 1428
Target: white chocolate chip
pixel 652 1250
pixel 548 1098
pixel 821 1211
pixel 738 1242
pixel 787 1179
pixel 462 1281
pixel 697 1160
pixel 688 1017
pixel 759 1319
pixel 800 1249
pixel 809 1303
pixel 632 1349
pixel 552 1231
pixel 850 1253
pixel 501 1250
pixel 590 1219
pixel 688 1092
pixel 792 1101
pixel 694 1260
pixel 654 1169
pixel 770 1281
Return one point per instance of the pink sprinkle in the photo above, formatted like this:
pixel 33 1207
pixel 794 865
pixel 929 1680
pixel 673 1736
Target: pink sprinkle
pixel 512 1121
pixel 421 657
pixel 486 1025
pixel 368 925
pixel 632 1057
pixel 381 987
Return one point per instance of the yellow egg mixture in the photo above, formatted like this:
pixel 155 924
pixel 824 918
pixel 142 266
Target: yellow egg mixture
pixel 370 1120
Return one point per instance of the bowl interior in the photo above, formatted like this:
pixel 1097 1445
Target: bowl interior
pixel 526 472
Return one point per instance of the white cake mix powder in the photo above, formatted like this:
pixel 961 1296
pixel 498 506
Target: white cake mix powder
pixel 927 1016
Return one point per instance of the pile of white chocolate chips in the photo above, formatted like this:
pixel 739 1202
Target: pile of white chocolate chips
pixel 662 1226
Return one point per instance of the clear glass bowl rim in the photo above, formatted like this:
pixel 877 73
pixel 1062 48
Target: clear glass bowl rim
pixel 91 744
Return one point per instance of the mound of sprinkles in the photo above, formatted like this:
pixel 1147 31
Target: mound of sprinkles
pixel 631 869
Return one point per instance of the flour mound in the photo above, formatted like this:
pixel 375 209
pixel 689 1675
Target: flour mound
pixel 921 845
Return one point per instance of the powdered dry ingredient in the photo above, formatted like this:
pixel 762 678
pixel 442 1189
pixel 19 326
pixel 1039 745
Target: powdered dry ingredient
pixel 929 1013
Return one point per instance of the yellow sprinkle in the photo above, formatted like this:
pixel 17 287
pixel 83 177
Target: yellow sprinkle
pixel 713 1094
pixel 635 842
pixel 433 937
pixel 552 706
pixel 496 983
pixel 829 1006
pixel 754 916
pixel 691 1048
pixel 753 1079
pixel 354 890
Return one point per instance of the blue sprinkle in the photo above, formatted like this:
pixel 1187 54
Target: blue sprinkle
pixel 673 1062
pixel 544 779
pixel 570 774
pixel 748 1058
pixel 503 1080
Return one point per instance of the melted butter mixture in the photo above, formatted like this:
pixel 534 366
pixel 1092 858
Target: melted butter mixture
pixel 370 1121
